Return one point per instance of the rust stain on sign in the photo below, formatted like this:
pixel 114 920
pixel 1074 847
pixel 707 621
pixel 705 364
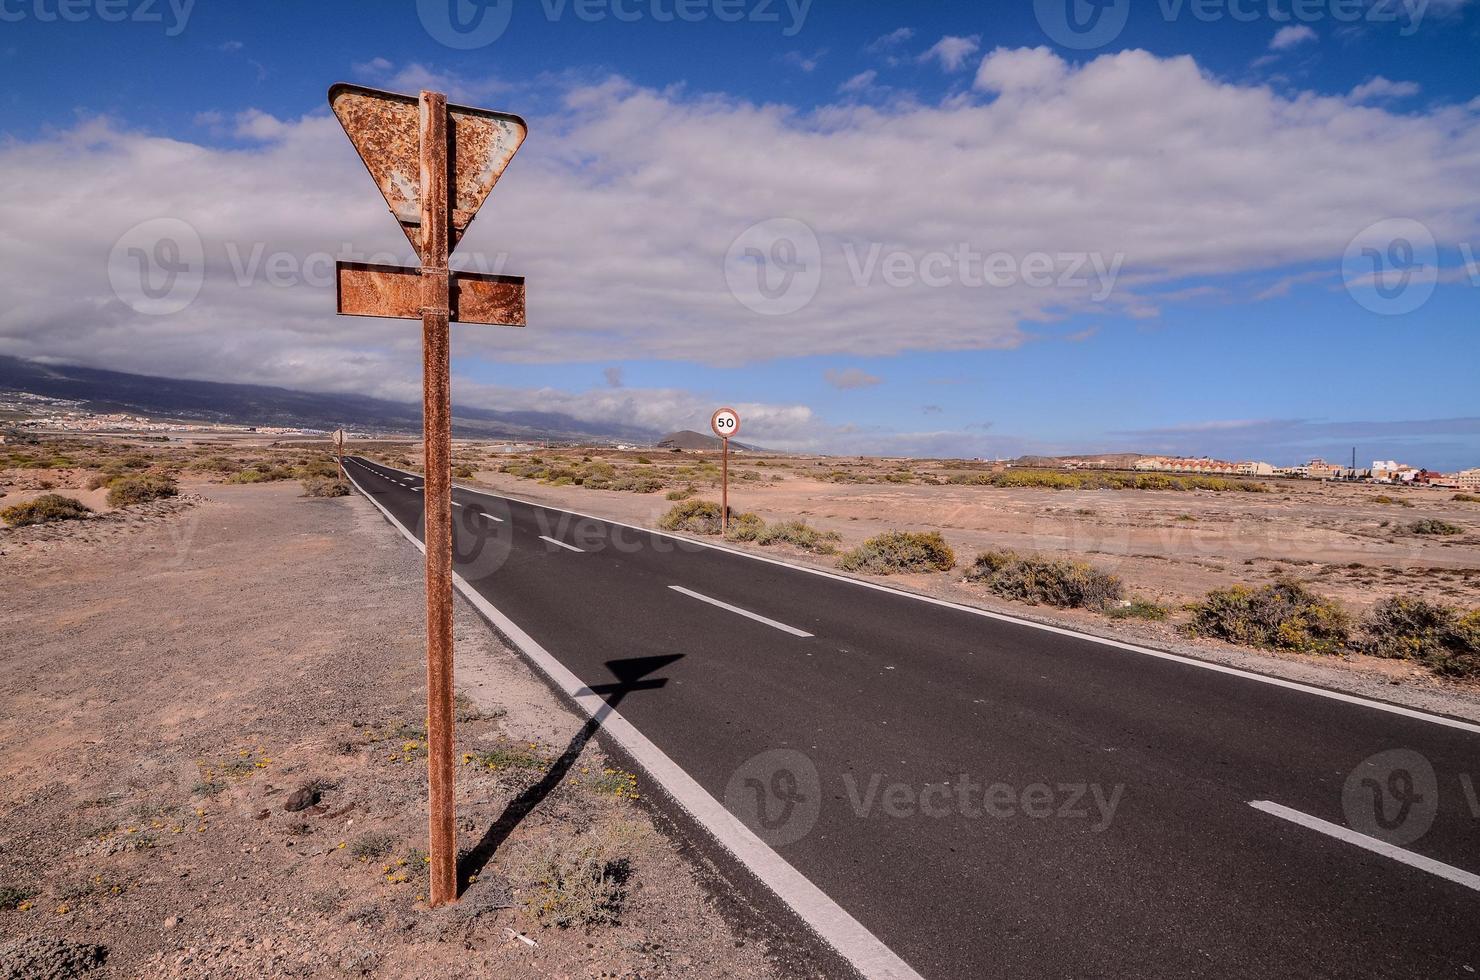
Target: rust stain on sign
pixel 386 131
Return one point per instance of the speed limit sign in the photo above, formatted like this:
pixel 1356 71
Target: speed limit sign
pixel 725 423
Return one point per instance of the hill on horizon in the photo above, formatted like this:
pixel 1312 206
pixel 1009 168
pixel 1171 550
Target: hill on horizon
pixel 106 391
pixel 691 440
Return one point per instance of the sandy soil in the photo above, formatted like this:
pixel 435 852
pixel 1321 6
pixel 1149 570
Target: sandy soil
pixel 169 687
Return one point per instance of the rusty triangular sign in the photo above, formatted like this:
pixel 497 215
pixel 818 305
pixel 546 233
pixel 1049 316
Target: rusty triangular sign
pixel 385 129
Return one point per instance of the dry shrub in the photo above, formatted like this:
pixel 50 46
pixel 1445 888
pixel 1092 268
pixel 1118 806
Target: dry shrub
pixel 585 885
pixel 1433 634
pixel 45 509
pixel 1430 525
pixel 693 516
pixel 129 490
pixel 1283 615
pixel 801 535
pixel 1038 580
pixel 324 486
pixel 901 551
pixel 745 527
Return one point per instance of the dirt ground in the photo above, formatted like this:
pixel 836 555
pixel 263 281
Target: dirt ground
pixel 179 679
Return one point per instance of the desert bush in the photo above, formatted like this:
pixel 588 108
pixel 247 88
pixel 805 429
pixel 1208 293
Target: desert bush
pixel 1038 580
pixel 744 527
pixel 683 494
pixel 375 844
pixel 1432 525
pixel 585 888
pixel 637 483
pixel 45 509
pixel 1282 615
pixel 901 551
pixel 1139 609
pixel 693 516
pixel 1433 634
pixel 324 486
pixel 1466 498
pixel 464 472
pixel 126 491
pixel 798 534
pixel 13 896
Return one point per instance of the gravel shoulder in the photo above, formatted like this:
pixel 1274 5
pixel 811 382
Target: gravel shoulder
pixel 213 763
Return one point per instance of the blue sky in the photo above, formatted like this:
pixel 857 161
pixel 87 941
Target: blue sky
pixel 1223 163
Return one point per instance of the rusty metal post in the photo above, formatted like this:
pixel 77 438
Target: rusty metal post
pixel 724 506
pixel 437 496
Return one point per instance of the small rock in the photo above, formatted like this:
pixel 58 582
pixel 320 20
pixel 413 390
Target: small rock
pixel 172 922
pixel 303 797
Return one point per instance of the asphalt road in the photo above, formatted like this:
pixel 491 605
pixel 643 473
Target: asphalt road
pixel 993 799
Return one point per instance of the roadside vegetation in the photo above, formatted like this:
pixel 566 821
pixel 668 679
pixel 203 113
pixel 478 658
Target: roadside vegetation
pixel 901 551
pixel 1043 581
pixel 1103 480
pixel 324 486
pixel 1440 637
pixel 45 509
pixel 1281 616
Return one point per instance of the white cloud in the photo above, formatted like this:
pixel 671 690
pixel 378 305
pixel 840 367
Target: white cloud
pixel 893 39
pixel 1288 37
pixel 1379 89
pixel 614 376
pixel 1010 69
pixel 859 83
pixel 805 62
pixel 623 204
pixel 952 52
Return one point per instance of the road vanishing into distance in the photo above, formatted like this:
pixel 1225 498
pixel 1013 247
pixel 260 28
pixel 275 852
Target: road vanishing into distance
pixel 991 798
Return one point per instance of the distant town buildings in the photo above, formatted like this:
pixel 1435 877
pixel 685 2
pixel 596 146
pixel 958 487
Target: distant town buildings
pixel 1204 465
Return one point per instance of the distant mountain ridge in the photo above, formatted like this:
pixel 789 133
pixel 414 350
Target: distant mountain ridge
pixel 242 404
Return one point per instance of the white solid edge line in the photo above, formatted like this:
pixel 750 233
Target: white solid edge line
pixel 740 612
pixel 1439 868
pixel 853 941
pixel 1394 709
pixel 562 544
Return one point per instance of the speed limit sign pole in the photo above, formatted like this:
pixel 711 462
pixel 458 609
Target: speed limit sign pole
pixel 725 423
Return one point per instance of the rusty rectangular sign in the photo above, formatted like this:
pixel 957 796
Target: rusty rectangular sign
pixel 393 291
